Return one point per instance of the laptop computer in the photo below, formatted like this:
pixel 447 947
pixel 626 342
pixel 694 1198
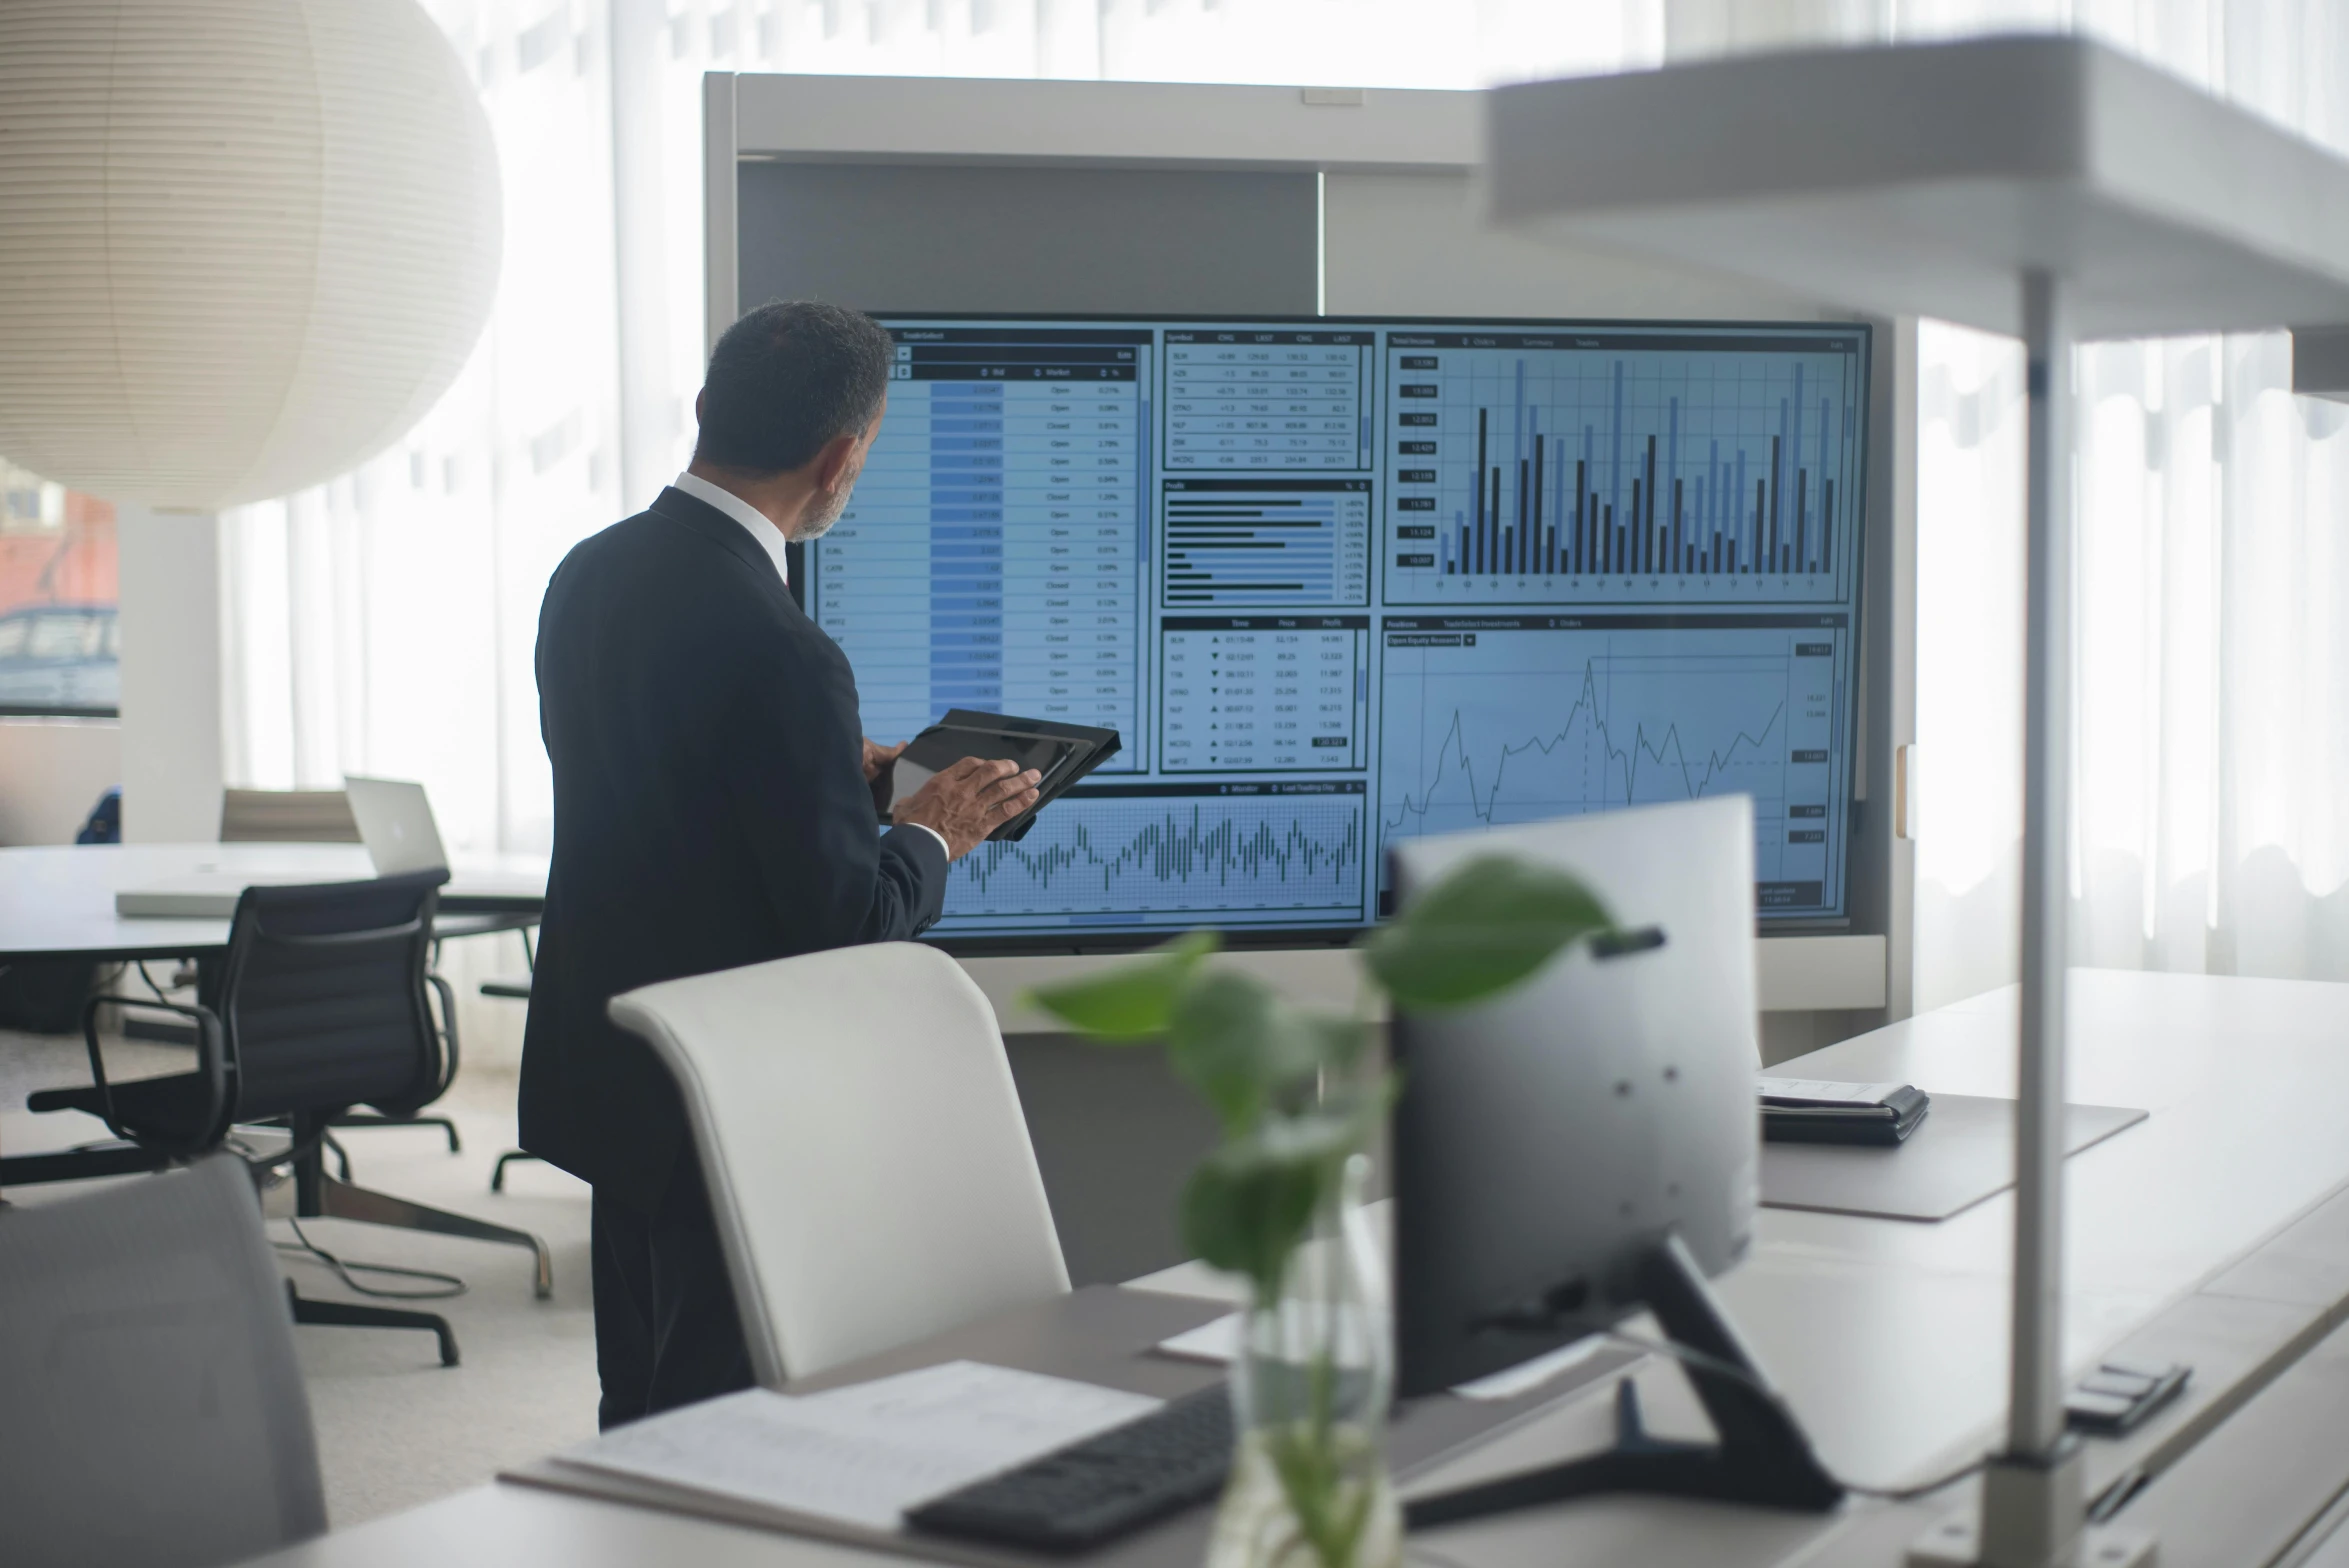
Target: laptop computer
pixel 395 823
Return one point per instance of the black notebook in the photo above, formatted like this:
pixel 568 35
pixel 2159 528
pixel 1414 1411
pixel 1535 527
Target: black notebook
pixel 1061 753
pixel 1812 1110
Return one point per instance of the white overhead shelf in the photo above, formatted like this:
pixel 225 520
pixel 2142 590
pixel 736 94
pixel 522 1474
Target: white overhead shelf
pixel 1926 180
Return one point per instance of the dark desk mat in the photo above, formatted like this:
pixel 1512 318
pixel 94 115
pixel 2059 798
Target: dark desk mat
pixel 1963 1152
pixel 1102 1334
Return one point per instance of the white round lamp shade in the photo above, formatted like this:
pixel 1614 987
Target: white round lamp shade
pixel 244 244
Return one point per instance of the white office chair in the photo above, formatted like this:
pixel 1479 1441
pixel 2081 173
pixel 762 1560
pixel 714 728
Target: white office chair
pixel 152 1414
pixel 866 1157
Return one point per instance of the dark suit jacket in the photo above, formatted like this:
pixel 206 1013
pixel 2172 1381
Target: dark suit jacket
pixel 711 811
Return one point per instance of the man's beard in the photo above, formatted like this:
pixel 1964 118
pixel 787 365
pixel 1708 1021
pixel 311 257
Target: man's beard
pixel 817 520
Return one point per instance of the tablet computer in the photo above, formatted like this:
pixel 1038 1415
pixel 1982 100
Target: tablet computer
pixel 1061 754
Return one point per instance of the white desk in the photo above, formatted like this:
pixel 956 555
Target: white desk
pixel 1888 1336
pixel 58 902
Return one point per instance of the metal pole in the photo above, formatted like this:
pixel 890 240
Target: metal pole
pixel 2033 1502
pixel 2035 1419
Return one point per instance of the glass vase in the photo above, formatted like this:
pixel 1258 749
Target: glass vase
pixel 1310 1389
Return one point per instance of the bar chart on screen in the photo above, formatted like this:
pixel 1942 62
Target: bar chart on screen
pixel 1497 719
pixel 1267 541
pixel 1706 465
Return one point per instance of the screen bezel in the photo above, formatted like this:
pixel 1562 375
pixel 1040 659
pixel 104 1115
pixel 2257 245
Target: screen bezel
pixel 1132 940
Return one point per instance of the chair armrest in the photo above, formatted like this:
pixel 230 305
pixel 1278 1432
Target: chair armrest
pixel 448 1031
pixel 211 1061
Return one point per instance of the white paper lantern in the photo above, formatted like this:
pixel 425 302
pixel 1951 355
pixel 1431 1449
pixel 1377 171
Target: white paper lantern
pixel 244 244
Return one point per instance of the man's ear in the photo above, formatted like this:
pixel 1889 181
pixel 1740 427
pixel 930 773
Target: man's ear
pixel 836 461
pixel 701 400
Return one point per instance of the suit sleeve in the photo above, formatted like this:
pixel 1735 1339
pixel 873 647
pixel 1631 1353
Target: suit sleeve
pixel 794 775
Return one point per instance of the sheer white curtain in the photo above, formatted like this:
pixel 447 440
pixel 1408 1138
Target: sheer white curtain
pixel 385 622
pixel 2212 630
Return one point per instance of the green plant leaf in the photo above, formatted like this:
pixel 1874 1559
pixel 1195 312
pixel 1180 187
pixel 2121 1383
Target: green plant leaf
pixel 1222 1040
pixel 1242 1048
pixel 1133 1001
pixel 1252 1201
pixel 1486 926
pixel 1248 1219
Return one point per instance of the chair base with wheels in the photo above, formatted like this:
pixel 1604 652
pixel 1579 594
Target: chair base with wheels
pixel 318 1195
pixel 497 1177
pixel 352 1314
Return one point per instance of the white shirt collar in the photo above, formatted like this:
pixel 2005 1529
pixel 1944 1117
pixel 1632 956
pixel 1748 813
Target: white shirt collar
pixel 770 537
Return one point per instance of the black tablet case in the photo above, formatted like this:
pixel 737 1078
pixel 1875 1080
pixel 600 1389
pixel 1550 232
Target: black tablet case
pixel 1062 753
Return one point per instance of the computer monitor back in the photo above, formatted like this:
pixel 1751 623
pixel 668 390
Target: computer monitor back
pixel 1545 1140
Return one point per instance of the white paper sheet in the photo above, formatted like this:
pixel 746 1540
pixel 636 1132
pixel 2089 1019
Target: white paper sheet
pixel 1218 1341
pixel 867 1453
pixel 1825 1091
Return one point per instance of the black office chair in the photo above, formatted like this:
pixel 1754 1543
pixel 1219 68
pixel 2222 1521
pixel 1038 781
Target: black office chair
pixel 319 1006
pixel 323 816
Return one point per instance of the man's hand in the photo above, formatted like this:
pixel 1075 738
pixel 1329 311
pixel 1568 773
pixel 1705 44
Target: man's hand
pixel 971 800
pixel 878 761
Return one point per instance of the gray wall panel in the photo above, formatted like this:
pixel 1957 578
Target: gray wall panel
pixel 965 239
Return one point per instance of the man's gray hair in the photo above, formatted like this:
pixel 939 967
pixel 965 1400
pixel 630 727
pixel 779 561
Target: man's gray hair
pixel 786 380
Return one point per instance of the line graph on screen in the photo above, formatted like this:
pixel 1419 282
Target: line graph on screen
pixel 1528 722
pixel 1133 851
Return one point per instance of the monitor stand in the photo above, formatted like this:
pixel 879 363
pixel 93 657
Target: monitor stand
pixel 1762 1458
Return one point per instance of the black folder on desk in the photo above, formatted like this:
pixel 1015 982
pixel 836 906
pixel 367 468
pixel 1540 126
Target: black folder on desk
pixel 1061 753
pixel 1879 1115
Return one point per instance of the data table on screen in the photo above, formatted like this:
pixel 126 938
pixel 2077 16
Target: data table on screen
pixel 1630 467
pixel 1156 854
pixel 992 555
pixel 1260 399
pixel 1492 720
pixel 1265 541
pixel 1263 693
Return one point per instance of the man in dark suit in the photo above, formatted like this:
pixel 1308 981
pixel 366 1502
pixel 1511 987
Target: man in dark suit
pixel 715 805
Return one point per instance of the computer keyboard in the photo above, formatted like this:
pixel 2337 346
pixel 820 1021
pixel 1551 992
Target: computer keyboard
pixel 1104 1486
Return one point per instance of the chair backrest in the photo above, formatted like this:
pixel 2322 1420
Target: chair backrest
pixel 322 997
pixel 154 1412
pixel 863 1145
pixel 287 816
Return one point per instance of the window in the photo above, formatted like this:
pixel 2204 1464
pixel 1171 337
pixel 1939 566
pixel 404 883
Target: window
pixel 59 643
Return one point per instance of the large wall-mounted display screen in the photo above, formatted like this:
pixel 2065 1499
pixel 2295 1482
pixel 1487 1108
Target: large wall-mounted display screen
pixel 1343 582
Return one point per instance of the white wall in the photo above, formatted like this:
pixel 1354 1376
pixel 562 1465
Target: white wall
pixel 52 772
pixel 1417 245
pixel 171 675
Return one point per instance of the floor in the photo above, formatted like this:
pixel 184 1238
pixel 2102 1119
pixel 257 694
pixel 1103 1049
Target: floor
pixel 395 1428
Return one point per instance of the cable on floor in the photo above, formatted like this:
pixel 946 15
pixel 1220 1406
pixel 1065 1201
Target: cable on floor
pixel 444 1285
